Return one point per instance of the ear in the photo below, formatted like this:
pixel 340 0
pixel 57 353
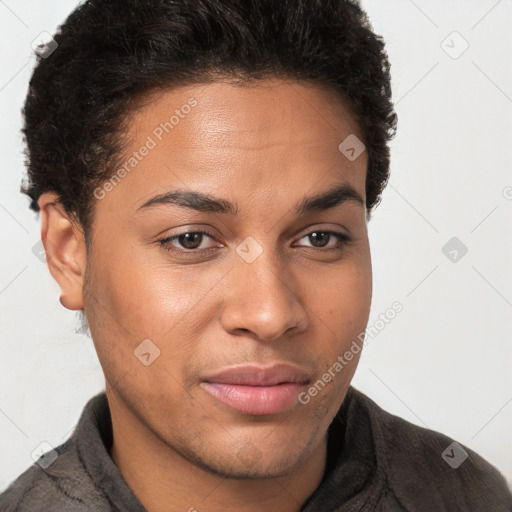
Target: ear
pixel 64 245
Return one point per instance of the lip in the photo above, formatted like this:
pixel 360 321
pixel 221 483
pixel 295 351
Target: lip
pixel 254 390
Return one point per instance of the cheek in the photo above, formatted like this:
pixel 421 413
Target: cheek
pixel 139 299
pixel 145 298
pixel 343 311
pixel 344 308
pixel 343 296
pixel 139 296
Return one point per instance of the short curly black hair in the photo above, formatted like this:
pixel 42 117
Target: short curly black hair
pixel 110 52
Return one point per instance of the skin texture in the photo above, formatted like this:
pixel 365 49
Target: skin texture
pixel 263 147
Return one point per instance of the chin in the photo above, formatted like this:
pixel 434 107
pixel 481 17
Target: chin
pixel 250 463
pixel 258 470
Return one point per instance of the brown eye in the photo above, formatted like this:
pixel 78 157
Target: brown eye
pixel 189 241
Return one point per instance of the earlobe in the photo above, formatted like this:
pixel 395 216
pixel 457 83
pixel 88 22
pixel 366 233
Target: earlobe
pixel 64 245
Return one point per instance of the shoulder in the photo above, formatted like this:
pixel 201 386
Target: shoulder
pixel 425 467
pixel 61 486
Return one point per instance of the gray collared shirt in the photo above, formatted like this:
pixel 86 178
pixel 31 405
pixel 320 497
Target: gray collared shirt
pixel 376 462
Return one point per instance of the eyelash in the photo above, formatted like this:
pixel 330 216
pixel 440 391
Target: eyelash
pixel 342 241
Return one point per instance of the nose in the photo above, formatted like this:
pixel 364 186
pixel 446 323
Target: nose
pixel 264 298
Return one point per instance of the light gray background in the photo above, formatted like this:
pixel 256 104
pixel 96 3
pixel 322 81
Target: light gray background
pixel 445 361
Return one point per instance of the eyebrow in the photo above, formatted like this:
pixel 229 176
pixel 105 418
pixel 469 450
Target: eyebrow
pixel 334 196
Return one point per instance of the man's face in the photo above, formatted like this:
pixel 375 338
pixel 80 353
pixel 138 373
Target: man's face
pixel 267 284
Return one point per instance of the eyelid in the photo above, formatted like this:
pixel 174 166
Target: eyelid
pixel 314 229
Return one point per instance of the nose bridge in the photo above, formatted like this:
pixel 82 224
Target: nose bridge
pixel 264 299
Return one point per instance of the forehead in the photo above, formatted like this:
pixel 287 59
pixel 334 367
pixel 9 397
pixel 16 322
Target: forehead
pixel 264 140
pixel 254 113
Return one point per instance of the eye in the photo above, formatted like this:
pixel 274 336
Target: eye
pixel 189 241
pixel 320 239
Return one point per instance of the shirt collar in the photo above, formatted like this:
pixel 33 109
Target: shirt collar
pixel 94 441
pixel 354 477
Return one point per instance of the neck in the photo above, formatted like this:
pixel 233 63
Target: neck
pixel 164 480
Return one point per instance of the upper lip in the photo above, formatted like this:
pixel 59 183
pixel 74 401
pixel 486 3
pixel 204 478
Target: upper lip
pixel 251 375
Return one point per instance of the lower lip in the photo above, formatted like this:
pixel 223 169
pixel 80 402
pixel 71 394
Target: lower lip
pixel 255 399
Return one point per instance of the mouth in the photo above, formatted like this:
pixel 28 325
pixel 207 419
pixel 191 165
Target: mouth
pixel 254 390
